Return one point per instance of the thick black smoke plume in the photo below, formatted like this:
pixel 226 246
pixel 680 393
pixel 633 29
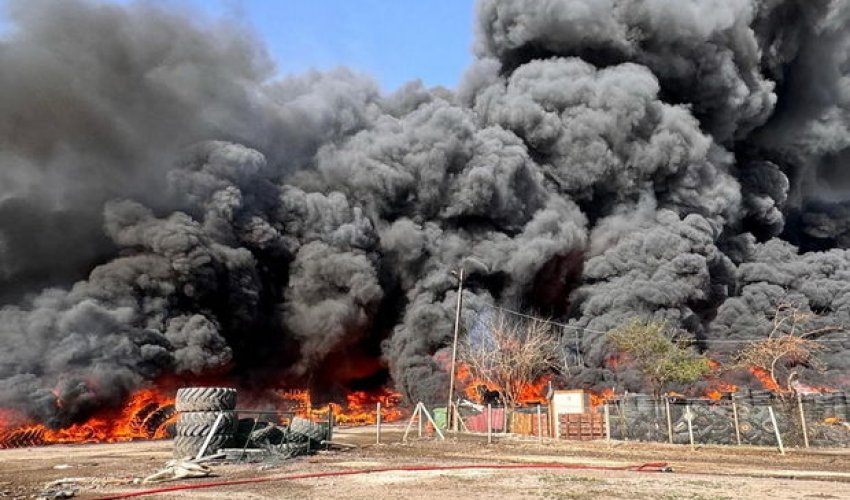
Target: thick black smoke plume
pixel 168 208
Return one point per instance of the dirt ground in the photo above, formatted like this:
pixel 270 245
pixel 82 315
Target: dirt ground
pixel 709 472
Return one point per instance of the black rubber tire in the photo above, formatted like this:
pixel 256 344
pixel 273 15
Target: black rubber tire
pixel 293 449
pixel 205 399
pixel 270 434
pixel 188 446
pixel 22 438
pixel 244 427
pixel 744 412
pixel 305 429
pixel 701 424
pixel 199 423
pixel 157 419
pixel 750 433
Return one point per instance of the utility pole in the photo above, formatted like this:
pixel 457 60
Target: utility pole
pixel 449 412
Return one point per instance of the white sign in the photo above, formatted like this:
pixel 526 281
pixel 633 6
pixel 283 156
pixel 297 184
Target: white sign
pixel 568 402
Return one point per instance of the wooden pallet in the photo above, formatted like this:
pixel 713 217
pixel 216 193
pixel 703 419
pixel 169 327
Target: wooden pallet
pixel 526 424
pixel 582 426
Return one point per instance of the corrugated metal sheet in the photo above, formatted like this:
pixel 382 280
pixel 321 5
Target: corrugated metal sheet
pixel 478 423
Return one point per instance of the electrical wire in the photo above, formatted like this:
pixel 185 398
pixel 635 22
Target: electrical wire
pixel 582 330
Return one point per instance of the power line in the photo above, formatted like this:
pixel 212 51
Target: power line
pixel 580 330
pixel 528 316
pixel 749 341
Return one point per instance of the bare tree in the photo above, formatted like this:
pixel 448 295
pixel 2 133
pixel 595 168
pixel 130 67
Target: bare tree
pixel 790 343
pixel 510 353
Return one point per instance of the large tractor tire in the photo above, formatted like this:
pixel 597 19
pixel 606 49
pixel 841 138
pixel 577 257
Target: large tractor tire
pixel 301 429
pixel 205 399
pixel 199 423
pixel 269 434
pixel 189 446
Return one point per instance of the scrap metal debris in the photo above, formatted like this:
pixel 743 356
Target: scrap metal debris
pixel 61 488
pixel 256 441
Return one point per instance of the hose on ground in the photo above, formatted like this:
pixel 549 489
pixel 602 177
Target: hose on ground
pixel 645 467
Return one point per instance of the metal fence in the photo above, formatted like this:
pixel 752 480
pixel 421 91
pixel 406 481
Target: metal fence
pixel 752 419
pixel 759 418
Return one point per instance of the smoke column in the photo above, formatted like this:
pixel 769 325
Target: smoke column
pixel 169 208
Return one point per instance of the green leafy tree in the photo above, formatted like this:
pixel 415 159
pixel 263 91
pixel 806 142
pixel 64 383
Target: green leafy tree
pixel 654 351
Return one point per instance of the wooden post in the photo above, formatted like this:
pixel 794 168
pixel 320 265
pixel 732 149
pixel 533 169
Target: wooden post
pixel 459 421
pixel 776 430
pixel 505 419
pixel 552 432
pixel 489 424
pixel 331 422
pixel 737 425
pixel 410 422
pixel 431 419
pixel 607 422
pixel 539 425
pixel 421 407
pixel 689 417
pixel 669 420
pixel 555 422
pixel 803 420
pixel 455 416
pixel 621 407
pixel 378 423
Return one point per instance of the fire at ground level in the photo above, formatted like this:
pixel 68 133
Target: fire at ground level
pixel 708 472
pixel 149 413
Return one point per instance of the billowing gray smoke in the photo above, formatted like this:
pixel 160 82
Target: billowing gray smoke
pixel 168 208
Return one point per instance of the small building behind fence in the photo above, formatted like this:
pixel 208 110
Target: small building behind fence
pixel 574 417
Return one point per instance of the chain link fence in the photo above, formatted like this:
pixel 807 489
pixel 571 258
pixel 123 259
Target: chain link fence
pixel 756 418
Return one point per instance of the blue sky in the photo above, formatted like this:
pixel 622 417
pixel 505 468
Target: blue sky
pixel 394 41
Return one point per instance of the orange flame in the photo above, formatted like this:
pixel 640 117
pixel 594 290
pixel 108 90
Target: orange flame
pixel 471 384
pixel 145 416
pixel 535 392
pixel 812 389
pixel 597 399
pixel 763 377
pixel 360 406
pixel 716 386
pixel 532 393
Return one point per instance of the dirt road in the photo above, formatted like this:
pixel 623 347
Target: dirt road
pixel 708 472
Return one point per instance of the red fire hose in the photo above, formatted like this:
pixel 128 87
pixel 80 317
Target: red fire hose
pixel 646 467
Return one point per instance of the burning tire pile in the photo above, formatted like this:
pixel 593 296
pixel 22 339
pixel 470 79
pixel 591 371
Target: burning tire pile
pixel 151 420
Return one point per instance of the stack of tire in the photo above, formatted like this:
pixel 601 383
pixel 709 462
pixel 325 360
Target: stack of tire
pixel 198 408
